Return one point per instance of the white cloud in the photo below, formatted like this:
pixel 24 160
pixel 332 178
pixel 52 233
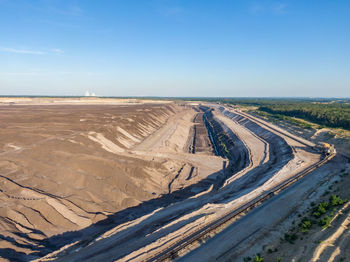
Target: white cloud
pixel 31 52
pixel 57 50
pixel 21 51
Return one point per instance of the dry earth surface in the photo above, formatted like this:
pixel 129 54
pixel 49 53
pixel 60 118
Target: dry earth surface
pixel 67 164
pixel 112 179
pixel 262 157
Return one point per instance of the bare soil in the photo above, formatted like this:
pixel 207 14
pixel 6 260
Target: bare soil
pixel 66 165
pixel 111 179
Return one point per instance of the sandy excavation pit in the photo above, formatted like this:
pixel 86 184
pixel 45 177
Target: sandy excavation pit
pixel 64 167
pixel 127 180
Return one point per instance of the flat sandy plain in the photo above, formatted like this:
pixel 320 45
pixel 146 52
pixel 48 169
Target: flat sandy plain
pixel 125 179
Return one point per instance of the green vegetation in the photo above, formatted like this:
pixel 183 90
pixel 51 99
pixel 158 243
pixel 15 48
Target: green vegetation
pixel 318 215
pixel 325 222
pixel 323 212
pixel 223 137
pixel 330 112
pixel 321 209
pixel 256 258
pixel 274 117
pixel 336 200
pixel 305 225
pixel 331 115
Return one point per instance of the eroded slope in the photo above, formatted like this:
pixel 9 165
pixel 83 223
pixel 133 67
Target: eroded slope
pixel 66 167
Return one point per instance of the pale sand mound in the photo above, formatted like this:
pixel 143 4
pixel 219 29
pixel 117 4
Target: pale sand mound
pixel 128 135
pixel 105 143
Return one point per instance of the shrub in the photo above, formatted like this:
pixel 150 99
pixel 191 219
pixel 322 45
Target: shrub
pixel 336 200
pixel 325 222
pixel 258 258
pixel 321 209
pixel 305 226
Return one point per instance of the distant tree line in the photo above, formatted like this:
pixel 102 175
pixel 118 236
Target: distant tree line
pixel 330 112
pixel 331 115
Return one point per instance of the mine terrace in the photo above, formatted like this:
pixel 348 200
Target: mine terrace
pixel 144 180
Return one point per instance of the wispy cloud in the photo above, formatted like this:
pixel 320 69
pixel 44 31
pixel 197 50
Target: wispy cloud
pixel 57 50
pixel 31 52
pixel 21 51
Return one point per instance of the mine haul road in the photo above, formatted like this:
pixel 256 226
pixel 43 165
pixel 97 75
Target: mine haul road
pixel 274 159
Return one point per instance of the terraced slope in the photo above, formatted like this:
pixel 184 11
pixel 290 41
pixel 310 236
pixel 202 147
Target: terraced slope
pixel 66 167
pixel 259 159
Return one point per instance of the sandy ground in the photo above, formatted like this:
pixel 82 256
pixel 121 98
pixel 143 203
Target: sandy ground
pixel 76 100
pixel 110 179
pixel 257 231
pixel 67 165
pixel 330 244
pixel 262 229
pixel 274 157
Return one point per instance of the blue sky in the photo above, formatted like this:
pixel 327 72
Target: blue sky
pixel 175 48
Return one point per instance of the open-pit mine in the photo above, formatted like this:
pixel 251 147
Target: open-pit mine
pixel 93 179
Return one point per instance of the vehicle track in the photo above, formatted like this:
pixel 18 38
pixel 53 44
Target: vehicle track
pixel 181 244
pixel 172 250
pixel 155 224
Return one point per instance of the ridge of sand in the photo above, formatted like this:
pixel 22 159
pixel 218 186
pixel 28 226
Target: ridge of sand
pixel 106 144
